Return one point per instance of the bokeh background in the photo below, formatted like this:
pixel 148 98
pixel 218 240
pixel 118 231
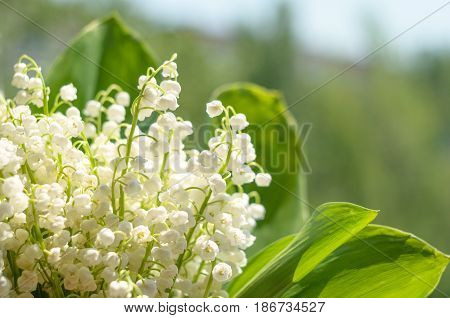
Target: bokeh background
pixel 381 130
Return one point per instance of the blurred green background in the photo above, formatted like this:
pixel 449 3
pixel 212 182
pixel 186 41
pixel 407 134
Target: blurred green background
pixel 381 133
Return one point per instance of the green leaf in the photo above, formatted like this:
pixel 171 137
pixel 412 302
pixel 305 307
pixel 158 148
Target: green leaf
pixel 378 262
pixel 270 273
pixel 104 53
pixel 257 264
pixel 274 133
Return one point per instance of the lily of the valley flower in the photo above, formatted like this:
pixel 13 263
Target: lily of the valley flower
pixel 94 206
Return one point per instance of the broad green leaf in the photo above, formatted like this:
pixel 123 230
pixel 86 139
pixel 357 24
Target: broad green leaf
pixel 104 53
pixel 258 262
pixel 270 273
pixel 378 262
pixel 274 133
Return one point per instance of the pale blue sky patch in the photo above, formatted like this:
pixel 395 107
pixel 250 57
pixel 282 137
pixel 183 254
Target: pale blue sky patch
pixel 337 27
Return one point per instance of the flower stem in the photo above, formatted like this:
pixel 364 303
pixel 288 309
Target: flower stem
pixel 146 255
pixel 189 237
pixel 210 280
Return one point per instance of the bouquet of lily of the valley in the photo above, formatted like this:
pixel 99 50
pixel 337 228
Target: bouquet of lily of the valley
pixel 93 206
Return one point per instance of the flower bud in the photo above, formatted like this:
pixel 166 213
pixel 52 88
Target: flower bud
pixel 68 93
pixel 222 272
pixel 263 179
pixel 214 108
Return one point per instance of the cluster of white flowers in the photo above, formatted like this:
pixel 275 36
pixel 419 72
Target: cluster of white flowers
pixel 91 206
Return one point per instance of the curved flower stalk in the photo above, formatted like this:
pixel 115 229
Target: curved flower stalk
pixel 95 207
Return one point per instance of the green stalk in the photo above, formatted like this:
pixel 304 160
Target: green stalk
pixel 12 265
pixel 199 271
pixel 146 255
pixel 210 280
pixel 54 279
pixel 127 153
pixel 189 237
